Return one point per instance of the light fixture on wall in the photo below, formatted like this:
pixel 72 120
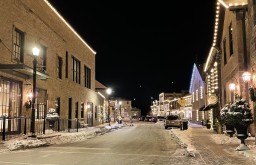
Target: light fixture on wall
pixel 233 87
pixel 28 103
pixel 246 78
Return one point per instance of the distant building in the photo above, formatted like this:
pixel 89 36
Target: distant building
pixel 197 91
pixel 121 107
pixel 135 113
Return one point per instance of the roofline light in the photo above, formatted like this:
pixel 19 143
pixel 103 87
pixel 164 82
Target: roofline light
pixel 69 26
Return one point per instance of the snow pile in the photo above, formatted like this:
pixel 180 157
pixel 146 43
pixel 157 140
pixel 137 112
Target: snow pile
pixel 58 138
pixel 184 140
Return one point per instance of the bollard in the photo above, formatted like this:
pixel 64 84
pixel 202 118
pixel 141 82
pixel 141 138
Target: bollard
pixel 44 126
pixel 3 135
pixel 25 126
pixel 58 124
pixel 77 125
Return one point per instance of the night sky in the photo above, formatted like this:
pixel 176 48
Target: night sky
pixel 143 48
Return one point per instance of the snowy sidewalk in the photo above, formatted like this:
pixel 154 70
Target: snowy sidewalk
pixel 51 137
pixel 191 138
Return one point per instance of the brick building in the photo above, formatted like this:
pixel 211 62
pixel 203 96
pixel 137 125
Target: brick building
pixel 65 77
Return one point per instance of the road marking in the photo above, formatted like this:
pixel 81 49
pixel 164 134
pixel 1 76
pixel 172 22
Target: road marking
pixel 23 163
pixel 81 148
pixel 104 153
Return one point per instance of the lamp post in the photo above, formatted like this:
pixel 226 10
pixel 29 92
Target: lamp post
pixel 109 91
pixel 120 104
pixel 120 117
pixel 32 127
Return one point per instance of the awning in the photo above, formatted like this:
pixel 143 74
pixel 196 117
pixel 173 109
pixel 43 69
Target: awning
pixel 22 70
pixel 209 106
pixel 202 108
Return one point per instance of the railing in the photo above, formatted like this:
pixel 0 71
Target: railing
pixel 18 126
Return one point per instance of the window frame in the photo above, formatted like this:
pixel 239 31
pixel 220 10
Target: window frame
pixel 18 45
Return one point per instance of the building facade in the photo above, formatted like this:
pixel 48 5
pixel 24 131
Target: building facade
pixel 230 57
pixel 197 91
pixel 65 69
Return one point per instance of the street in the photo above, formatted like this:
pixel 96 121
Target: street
pixel 145 143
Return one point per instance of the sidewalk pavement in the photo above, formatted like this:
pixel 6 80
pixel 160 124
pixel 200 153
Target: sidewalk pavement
pixel 51 137
pixel 199 140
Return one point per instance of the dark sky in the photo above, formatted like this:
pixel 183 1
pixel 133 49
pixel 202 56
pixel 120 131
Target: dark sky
pixel 143 48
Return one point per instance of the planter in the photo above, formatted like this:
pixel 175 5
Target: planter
pixel 230 129
pixel 242 134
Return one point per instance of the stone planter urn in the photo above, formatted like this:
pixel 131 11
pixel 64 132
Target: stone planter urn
pixel 239 115
pixel 241 131
pixel 230 129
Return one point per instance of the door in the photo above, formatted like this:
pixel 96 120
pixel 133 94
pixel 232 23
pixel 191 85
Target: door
pixel 90 114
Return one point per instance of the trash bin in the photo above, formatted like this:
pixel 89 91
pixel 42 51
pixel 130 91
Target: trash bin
pixel 185 125
pixel 208 125
pixel 119 121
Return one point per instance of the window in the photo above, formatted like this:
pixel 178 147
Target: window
pixel 66 64
pixel 87 77
pixel 57 105
pixel 224 51
pixel 201 92
pixel 40 103
pixel 172 117
pixel 76 70
pixel 18 45
pixel 196 94
pixel 39 110
pixel 41 60
pixel 10 101
pixel 230 32
pixel 254 12
pixel 59 67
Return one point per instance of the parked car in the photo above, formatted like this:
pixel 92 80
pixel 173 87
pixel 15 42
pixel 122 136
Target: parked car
pixel 154 119
pixel 142 118
pixel 148 118
pixel 172 121
pixel 160 118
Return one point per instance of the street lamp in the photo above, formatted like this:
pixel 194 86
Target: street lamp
pixel 120 104
pixel 35 52
pixel 109 91
pixel 120 117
